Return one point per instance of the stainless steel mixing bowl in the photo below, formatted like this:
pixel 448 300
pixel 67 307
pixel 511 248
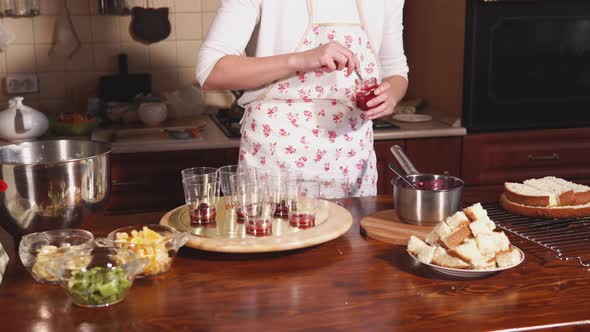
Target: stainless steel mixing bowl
pixel 52 184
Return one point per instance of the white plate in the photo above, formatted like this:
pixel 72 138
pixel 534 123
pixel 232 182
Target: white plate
pixel 470 273
pixel 411 117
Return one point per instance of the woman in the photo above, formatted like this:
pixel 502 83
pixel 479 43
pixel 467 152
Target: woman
pixel 295 59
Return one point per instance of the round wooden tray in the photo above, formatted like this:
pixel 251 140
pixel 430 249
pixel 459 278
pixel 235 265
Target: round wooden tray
pixel 227 235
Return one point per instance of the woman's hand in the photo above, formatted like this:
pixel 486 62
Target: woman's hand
pixel 328 57
pixel 384 102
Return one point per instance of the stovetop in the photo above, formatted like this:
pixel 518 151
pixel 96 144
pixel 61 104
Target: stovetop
pixel 229 122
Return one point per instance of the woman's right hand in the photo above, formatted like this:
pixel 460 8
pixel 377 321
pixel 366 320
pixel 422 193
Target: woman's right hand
pixel 328 57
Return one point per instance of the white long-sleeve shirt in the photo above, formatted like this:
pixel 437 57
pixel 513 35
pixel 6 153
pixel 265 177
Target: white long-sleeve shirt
pixel 271 27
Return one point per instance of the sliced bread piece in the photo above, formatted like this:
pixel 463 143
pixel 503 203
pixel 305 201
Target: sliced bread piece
pixel 508 257
pixel 486 263
pixel 502 241
pixel 481 225
pixel 467 251
pixel 491 243
pixel 581 192
pixel 527 195
pixel 456 237
pixel 442 258
pixel 456 220
pixel 555 212
pixel 420 249
pixel 564 194
pixel 475 211
pixel 440 230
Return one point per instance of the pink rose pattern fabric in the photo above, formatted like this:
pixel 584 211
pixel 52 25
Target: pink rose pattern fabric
pixel 309 122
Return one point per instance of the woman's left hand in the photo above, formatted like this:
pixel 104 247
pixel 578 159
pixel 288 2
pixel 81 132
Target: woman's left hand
pixel 384 102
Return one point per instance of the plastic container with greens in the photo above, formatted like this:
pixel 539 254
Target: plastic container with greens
pixel 99 276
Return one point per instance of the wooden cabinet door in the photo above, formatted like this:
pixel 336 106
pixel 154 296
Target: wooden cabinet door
pixel 384 157
pixel 492 159
pixel 436 155
pixel 151 181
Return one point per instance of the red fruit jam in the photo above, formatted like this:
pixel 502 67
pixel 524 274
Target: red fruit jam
pixel 203 214
pixel 281 209
pixel 302 220
pixel 259 227
pixel 240 214
pixel 364 92
pixel 435 185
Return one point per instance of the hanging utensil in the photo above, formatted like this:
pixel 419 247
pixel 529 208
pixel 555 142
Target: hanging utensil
pixel 402 176
pixel 150 25
pixel 65 38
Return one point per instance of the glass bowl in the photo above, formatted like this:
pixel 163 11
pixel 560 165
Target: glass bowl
pixel 98 276
pixel 158 243
pixel 40 251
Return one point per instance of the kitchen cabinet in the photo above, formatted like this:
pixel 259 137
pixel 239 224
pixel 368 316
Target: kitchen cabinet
pixel 150 181
pixel 440 155
pixel 384 157
pixel 491 159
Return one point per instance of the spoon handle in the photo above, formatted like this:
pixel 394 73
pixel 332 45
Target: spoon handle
pixel 399 173
pixel 403 160
pixel 356 71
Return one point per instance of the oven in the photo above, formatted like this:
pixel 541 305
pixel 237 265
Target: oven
pixel 527 64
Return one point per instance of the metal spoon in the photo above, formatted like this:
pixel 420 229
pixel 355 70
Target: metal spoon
pixel 403 160
pixel 356 71
pixel 399 173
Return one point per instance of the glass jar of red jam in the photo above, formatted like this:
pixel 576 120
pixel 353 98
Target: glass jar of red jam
pixel 365 91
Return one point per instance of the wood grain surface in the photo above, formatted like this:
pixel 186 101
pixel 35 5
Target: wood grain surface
pixel 352 283
pixel 386 226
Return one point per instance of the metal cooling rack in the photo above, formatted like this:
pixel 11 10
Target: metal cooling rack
pixel 569 239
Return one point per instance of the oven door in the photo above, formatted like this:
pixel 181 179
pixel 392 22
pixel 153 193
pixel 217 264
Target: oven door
pixel 527 64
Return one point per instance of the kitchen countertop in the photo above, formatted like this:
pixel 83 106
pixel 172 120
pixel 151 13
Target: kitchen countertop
pixel 214 138
pixel 153 140
pixel 351 283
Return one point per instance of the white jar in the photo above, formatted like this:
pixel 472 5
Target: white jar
pixel 20 123
pixel 152 114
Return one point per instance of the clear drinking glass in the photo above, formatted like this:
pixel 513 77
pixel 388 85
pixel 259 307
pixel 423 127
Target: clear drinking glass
pixel 225 180
pixel 335 188
pixel 277 182
pixel 210 172
pixel 303 202
pixel 253 200
pixel 201 196
pixel 365 91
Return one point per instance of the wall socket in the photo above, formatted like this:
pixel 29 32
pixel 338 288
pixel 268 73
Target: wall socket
pixel 22 83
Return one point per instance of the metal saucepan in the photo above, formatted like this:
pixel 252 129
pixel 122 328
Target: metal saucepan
pixel 434 198
pixel 52 184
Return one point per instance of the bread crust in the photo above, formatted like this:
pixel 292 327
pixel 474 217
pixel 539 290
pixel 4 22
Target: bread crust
pixel 525 199
pixel 559 212
pixel 566 198
pixel 582 197
pixel 456 237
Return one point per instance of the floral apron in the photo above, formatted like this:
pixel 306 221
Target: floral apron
pixel 309 121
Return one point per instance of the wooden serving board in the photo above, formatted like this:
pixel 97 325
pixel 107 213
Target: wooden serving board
pixel 229 236
pixel 386 226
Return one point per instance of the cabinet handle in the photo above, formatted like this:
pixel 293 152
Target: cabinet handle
pixel 553 156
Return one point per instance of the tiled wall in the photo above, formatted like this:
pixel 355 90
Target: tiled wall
pixel 67 82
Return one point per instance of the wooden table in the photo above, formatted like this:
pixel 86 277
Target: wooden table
pixel 351 283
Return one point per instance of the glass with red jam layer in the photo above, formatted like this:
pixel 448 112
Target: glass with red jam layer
pixel 254 203
pixel 303 202
pixel 201 196
pixel 364 92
